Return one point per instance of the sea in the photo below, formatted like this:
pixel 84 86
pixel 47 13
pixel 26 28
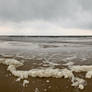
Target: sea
pixel 45 63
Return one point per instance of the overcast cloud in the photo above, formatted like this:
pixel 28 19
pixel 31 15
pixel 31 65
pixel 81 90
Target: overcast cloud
pixel 45 16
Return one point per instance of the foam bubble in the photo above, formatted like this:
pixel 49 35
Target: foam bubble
pixel 25 82
pixel 47 81
pixel 89 74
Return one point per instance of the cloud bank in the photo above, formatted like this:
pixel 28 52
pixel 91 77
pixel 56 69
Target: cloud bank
pixel 46 17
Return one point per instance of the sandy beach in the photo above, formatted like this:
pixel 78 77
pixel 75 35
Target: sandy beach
pixel 45 64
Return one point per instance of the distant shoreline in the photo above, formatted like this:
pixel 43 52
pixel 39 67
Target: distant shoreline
pixel 44 36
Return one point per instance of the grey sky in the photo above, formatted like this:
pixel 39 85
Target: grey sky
pixel 65 13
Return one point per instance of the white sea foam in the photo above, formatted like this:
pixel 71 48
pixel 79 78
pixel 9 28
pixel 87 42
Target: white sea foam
pixel 49 72
pixel 25 82
pixel 83 68
pixel 89 74
pixel 78 82
pixel 47 81
pixel 83 59
pixel 68 64
pixel 37 90
pixel 69 58
pixel 51 64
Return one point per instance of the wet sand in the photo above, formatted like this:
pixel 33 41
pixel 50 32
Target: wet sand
pixel 8 83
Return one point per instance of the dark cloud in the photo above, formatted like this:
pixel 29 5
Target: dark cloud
pixel 67 13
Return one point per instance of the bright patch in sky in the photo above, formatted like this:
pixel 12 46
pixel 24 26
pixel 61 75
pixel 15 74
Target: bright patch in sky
pixel 40 28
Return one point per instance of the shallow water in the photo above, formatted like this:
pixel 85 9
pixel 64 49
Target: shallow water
pixel 45 52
